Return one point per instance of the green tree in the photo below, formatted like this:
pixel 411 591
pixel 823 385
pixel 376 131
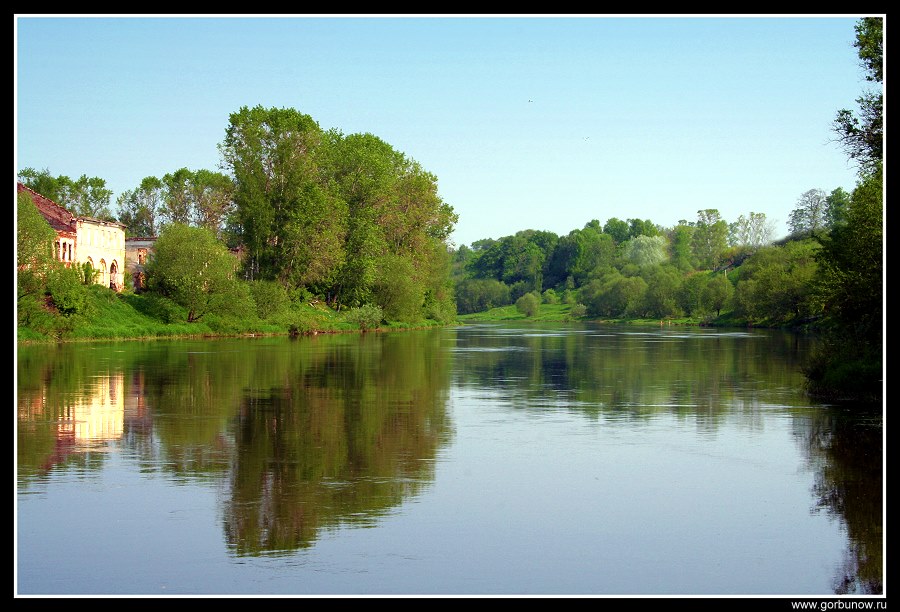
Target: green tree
pixel 709 238
pixel 35 258
pixel 751 232
pixel 660 296
pixel 850 288
pixel 862 135
pixel 808 215
pixel 836 205
pixel 529 304
pixel 176 206
pixel 84 197
pixel 270 152
pixel 717 293
pixel 681 238
pixel 212 195
pixel 645 250
pixel 481 294
pixel 618 229
pixel 139 209
pixel 776 288
pixel 195 270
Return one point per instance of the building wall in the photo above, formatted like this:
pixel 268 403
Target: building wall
pixel 103 245
pixel 137 251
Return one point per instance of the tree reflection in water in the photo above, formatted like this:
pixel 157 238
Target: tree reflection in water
pixel 845 451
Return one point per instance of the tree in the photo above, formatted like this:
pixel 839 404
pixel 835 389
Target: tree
pixel 34 247
pixel 751 232
pixel 212 198
pixel 85 197
pixel 139 209
pixel 644 250
pixel 89 197
pixel 808 216
pixel 663 285
pixel 480 294
pixel 638 227
pixel 618 229
pixel 717 293
pixel 862 135
pixel 681 239
pixel 196 271
pixel 176 206
pixel 836 205
pixel 271 153
pixel 529 304
pixel 709 238
pixel 850 288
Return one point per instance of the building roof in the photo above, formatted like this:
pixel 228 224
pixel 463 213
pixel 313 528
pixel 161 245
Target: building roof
pixel 58 217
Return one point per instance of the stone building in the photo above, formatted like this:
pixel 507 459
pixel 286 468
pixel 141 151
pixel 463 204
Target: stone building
pixel 82 240
pixel 137 251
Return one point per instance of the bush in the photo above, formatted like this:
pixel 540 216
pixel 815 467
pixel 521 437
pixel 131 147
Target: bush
pixel 67 292
pixel 269 297
pixel 529 304
pixel 366 317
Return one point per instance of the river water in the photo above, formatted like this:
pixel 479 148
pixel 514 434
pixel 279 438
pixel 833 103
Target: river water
pixel 496 459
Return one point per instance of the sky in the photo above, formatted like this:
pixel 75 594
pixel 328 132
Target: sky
pixel 542 122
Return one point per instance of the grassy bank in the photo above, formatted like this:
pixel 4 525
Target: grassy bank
pixel 563 313
pixel 107 315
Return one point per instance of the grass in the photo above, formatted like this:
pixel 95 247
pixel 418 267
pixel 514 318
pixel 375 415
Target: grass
pixel 125 316
pixel 561 313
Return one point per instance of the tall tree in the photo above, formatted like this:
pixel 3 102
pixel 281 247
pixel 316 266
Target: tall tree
pixel 270 152
pixel 862 135
pixel 176 206
pixel 212 195
pixel 87 196
pixel 751 232
pixel 836 205
pixel 139 209
pixel 808 216
pixel 709 238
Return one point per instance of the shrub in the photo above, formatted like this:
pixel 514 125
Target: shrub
pixel 529 304
pixel 367 316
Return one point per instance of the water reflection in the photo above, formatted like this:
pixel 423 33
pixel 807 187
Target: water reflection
pixel 305 437
pixel 845 446
pixel 309 434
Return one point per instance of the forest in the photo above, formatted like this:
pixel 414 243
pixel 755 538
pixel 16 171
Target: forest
pixel 356 230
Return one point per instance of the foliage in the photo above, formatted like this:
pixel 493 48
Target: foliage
pixel 140 209
pixel 659 299
pixel 751 232
pixel 367 316
pixel 850 289
pixel 34 247
pixel 717 294
pixel 269 297
pixel 84 197
pixel 809 214
pixel 529 304
pixel 196 271
pixel 67 291
pixel 645 250
pixel 709 238
pixel 862 135
pixel 480 294
pixel 776 285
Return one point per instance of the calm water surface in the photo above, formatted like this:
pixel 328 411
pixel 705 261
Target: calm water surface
pixel 487 459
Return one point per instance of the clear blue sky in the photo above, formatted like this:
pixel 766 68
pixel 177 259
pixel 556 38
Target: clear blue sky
pixel 529 122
